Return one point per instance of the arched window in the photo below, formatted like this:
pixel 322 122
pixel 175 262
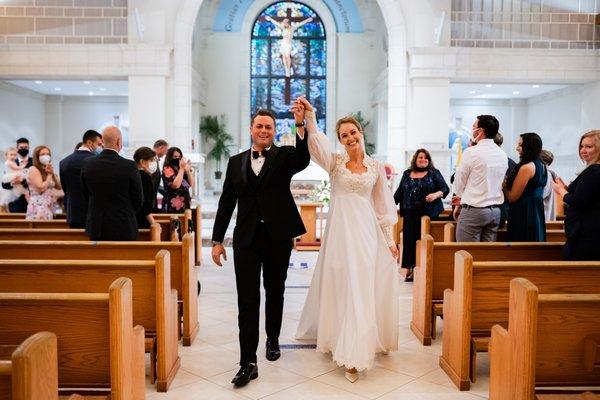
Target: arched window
pixel 273 86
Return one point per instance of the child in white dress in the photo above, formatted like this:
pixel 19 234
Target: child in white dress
pixel 11 171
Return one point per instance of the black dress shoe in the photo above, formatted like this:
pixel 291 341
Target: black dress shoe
pixel 272 351
pixel 246 373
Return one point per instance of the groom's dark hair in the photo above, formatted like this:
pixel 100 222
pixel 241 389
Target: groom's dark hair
pixel 263 112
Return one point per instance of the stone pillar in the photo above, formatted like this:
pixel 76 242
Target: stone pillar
pixel 147 111
pixel 519 117
pixel 54 128
pixel 590 117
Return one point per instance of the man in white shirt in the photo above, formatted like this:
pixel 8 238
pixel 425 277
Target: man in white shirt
pixel 478 184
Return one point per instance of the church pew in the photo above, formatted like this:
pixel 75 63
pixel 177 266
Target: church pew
pixel 434 272
pixel 551 340
pixel 98 346
pixel 183 274
pixel 554 232
pixel 189 221
pixel 29 370
pixel 5 215
pixel 145 235
pixel 154 302
pixel 479 300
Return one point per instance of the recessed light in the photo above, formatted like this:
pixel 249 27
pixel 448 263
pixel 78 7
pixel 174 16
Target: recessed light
pixel 489 85
pixel 91 93
pixel 103 89
pixel 57 89
pixel 516 92
pixel 39 82
pixel 472 92
pixel 86 82
pixel 535 86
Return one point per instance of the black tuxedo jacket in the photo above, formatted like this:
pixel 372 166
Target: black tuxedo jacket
pixel 266 197
pixel 70 179
pixel 113 188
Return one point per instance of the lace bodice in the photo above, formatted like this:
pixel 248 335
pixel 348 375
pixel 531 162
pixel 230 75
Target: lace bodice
pixel 346 180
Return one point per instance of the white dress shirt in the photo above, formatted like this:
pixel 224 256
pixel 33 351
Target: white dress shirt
pixel 257 163
pixel 478 179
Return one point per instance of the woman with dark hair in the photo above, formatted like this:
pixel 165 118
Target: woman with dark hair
pixel 524 189
pixel 178 179
pixel 420 193
pixel 145 158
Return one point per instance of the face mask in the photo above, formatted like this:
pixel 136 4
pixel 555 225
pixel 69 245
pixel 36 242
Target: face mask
pixel 23 152
pixel 175 162
pixel 98 150
pixel 152 167
pixel 45 159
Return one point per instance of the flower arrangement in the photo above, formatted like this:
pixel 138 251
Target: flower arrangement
pixel 322 193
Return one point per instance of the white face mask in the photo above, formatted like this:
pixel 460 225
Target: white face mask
pixel 45 159
pixel 152 167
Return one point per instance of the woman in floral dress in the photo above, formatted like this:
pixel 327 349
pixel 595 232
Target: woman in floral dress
pixel 178 179
pixel 41 180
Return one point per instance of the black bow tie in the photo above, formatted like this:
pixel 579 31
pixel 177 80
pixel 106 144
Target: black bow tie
pixel 256 154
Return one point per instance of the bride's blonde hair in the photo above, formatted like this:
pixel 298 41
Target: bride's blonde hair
pixel 347 120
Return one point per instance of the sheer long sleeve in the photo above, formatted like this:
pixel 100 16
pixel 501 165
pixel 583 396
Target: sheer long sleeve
pixel 385 209
pixel 319 145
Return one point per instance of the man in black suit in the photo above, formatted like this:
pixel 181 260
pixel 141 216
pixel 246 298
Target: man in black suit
pixel 20 204
pixel 70 178
pixel 160 148
pixel 112 186
pixel 258 181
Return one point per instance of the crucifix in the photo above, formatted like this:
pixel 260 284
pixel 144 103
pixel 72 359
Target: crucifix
pixel 287 25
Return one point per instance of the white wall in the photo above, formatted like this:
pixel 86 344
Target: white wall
pixel 22 114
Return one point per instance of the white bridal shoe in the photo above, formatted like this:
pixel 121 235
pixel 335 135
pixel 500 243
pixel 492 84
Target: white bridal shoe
pixel 352 377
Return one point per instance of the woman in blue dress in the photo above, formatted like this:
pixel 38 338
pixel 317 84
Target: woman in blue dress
pixel 420 193
pixel 524 189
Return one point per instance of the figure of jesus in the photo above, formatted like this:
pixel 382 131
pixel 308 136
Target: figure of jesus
pixel 285 44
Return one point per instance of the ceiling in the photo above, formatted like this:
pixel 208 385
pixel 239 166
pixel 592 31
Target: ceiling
pixel 500 91
pixel 75 87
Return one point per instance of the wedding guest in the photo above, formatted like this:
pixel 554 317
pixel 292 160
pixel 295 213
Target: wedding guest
pixel 582 201
pixel 145 159
pixel 160 148
pixel 499 139
pixel 20 204
pixel 41 180
pixel 524 190
pixel 478 184
pixel 420 193
pixel 549 195
pixel 177 179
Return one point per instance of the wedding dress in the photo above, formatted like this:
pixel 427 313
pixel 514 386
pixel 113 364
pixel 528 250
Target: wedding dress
pixel 352 304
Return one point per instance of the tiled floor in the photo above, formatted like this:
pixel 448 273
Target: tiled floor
pixel 207 367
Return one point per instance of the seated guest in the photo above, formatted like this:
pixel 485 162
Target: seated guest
pixel 582 203
pixel 420 193
pixel 549 195
pixel 524 190
pixel 20 204
pixel 41 180
pixel 112 186
pixel 70 177
pixel 145 159
pixel 177 179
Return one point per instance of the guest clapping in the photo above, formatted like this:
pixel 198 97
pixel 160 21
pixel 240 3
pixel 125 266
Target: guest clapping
pixel 420 192
pixel 582 200
pixel 178 179
pixel 41 180
pixel 145 159
pixel 524 190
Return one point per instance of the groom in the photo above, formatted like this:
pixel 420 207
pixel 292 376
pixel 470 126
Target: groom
pixel 258 180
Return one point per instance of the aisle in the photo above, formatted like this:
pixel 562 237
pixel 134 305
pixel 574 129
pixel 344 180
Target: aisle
pixel 411 373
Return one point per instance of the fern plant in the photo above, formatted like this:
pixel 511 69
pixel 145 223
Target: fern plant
pixel 213 129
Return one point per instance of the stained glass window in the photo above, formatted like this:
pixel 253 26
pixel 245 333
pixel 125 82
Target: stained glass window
pixel 270 86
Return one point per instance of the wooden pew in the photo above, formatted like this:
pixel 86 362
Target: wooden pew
pixel 145 235
pixel 188 222
pixel 183 274
pixel 480 299
pixel 154 302
pixel 554 232
pixel 552 340
pixel 29 371
pixel 98 346
pixel 23 215
pixel 434 272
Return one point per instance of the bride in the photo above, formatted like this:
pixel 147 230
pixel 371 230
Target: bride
pixel 352 304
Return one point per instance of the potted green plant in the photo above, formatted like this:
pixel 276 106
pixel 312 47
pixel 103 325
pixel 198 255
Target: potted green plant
pixel 213 128
pixel 369 146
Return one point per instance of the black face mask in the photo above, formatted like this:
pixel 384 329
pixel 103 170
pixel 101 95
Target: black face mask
pixel 23 152
pixel 175 162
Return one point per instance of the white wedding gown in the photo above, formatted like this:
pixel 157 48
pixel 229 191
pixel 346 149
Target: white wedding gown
pixel 352 304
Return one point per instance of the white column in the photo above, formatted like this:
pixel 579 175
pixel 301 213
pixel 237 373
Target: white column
pixel 519 124
pixel 54 128
pixel 147 110
pixel 590 117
